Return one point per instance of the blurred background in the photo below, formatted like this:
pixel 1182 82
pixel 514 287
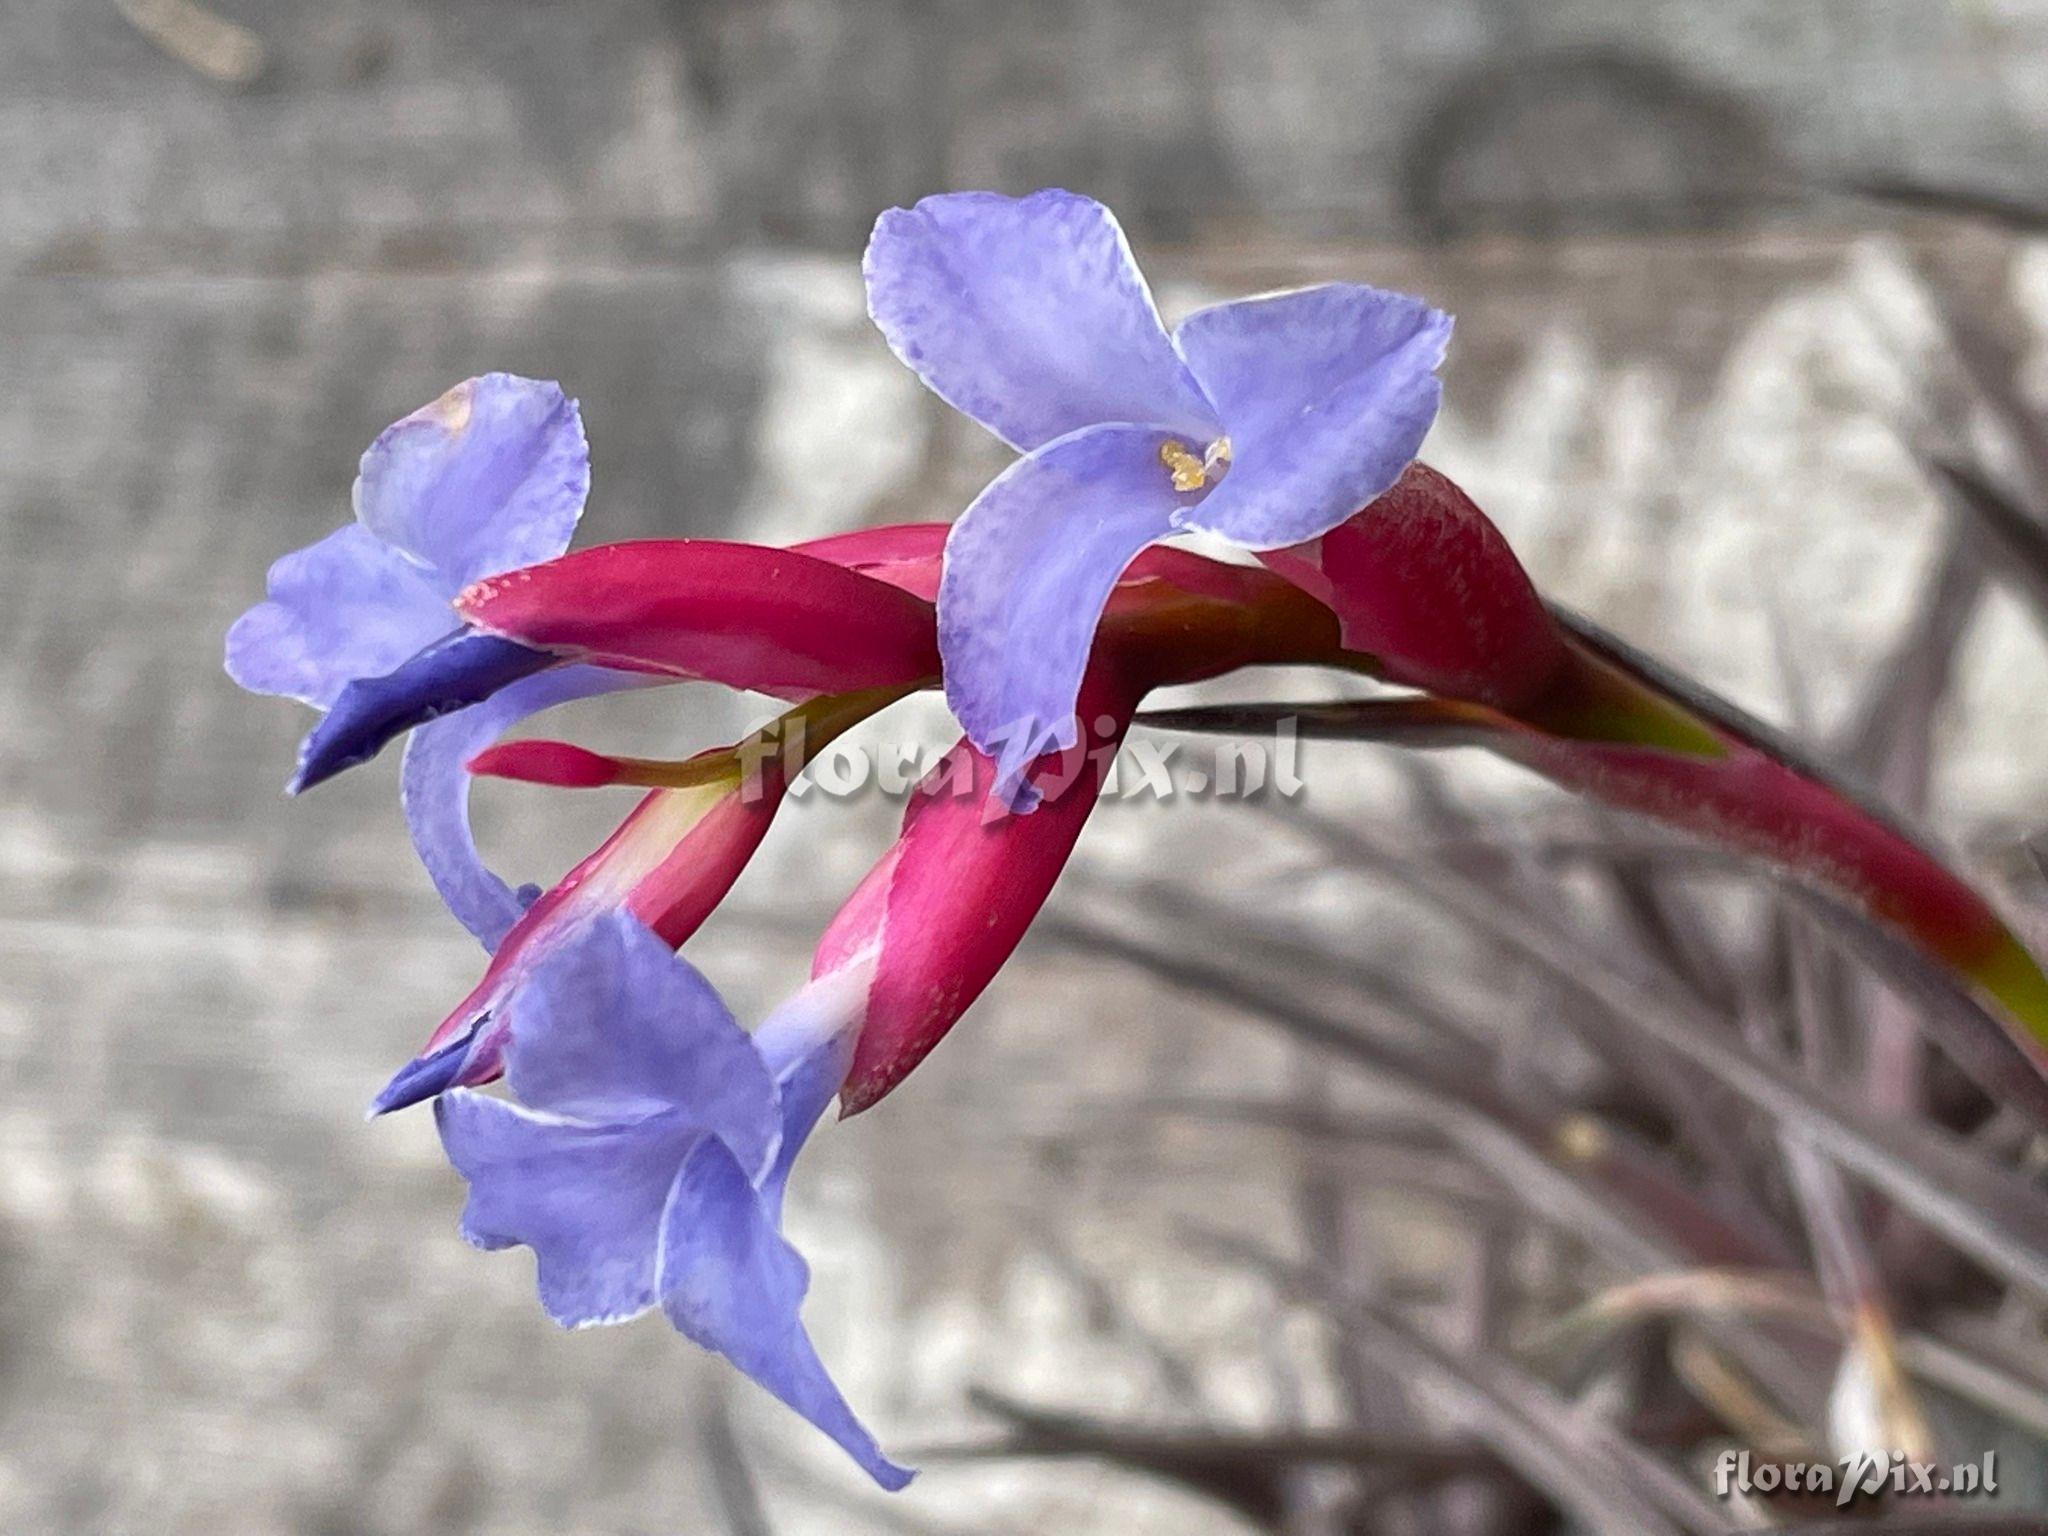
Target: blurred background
pixel 1749 363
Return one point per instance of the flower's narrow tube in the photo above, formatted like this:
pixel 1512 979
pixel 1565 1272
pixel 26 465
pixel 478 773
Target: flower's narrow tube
pixel 434 786
pixel 564 765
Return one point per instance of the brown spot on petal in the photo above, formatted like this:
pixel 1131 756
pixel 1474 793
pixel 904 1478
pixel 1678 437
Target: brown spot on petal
pixel 451 411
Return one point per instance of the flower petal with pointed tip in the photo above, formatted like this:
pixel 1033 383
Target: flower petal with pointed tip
pixel 730 1282
pixel 728 1279
pixel 452 673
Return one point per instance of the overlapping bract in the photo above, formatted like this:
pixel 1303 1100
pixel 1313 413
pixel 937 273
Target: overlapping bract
pixel 490 476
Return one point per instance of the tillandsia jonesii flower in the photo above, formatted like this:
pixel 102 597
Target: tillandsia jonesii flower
pixel 1267 421
pixel 645 1159
pixel 490 476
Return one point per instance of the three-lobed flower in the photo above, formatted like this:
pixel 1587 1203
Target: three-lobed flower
pixel 1267 421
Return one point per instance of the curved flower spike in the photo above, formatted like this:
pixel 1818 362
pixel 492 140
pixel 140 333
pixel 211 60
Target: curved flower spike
pixel 645 1160
pixel 1267 421
pixel 490 476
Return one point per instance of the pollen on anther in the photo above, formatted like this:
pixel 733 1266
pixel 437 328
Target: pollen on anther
pixel 1189 473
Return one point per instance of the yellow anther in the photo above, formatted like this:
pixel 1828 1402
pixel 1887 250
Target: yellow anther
pixel 1189 473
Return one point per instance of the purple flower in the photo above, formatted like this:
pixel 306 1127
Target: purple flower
pixel 645 1160
pixel 1268 421
pixel 490 477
